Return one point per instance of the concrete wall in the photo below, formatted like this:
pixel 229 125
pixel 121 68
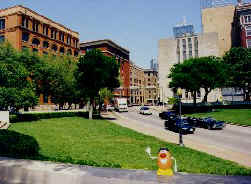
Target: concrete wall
pixel 219 20
pixel 208 44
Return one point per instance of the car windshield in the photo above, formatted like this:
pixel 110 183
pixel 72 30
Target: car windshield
pixel 144 108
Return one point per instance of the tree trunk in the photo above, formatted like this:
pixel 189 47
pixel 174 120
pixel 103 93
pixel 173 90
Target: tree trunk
pixel 91 108
pixel 194 98
pixel 206 94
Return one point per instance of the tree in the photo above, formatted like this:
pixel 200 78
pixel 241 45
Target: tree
pixel 238 62
pixel 94 72
pixel 195 73
pixel 182 76
pixel 16 90
pixel 211 73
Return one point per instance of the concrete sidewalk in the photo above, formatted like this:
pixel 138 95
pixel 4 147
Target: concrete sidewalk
pixel 238 157
pixel 14 171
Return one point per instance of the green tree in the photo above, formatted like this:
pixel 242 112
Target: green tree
pixel 96 71
pixel 16 90
pixel 238 62
pixel 195 73
pixel 182 76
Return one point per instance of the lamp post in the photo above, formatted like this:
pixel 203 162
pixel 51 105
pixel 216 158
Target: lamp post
pixel 179 92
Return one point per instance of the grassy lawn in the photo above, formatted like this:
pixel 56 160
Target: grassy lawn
pixel 101 143
pixel 236 116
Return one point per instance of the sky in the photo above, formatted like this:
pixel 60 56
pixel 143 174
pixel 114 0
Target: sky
pixel 136 25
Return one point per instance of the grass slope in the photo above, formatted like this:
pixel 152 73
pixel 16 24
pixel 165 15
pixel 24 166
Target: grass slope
pixel 236 116
pixel 104 144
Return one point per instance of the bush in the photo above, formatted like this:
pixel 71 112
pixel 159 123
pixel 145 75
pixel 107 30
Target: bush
pixel 15 144
pixel 47 115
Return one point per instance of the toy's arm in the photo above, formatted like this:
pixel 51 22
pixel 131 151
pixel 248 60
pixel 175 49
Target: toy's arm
pixel 175 165
pixel 148 151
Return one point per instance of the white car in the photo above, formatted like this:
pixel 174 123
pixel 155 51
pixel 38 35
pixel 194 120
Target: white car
pixel 109 107
pixel 145 111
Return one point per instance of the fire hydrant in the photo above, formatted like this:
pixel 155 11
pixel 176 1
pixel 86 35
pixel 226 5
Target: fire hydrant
pixel 164 161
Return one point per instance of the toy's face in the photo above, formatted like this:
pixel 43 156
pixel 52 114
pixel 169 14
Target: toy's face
pixel 164 159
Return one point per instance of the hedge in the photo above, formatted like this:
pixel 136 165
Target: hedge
pixel 48 115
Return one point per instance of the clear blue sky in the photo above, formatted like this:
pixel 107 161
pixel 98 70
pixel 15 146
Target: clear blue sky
pixel 134 24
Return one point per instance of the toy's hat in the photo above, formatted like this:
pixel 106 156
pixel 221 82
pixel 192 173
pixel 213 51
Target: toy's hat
pixel 166 149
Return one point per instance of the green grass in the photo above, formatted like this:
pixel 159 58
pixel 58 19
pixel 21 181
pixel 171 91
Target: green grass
pixel 235 116
pixel 104 144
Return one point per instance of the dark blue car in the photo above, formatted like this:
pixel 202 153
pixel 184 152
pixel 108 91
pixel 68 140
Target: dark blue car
pixel 167 114
pixel 210 123
pixel 176 124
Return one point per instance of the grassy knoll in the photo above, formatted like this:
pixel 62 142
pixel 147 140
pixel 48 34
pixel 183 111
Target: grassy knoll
pixel 236 116
pixel 101 143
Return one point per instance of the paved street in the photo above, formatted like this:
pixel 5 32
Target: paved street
pixel 233 140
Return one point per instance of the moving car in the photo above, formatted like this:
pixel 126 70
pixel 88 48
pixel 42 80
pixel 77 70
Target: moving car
pixel 121 105
pixel 145 111
pixel 175 124
pixel 109 107
pixel 166 114
pixel 210 123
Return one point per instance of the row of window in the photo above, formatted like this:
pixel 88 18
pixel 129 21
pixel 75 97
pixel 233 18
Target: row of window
pixel 54 47
pixel 2 24
pixel 184 46
pixel 53 31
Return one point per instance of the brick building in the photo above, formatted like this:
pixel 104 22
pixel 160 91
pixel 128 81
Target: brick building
pixel 151 92
pixel 26 29
pixel 109 48
pixel 137 84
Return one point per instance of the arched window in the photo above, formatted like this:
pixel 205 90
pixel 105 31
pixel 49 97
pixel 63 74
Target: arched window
pixel 25 36
pixel 61 50
pixel 69 52
pixel 35 41
pixel 75 53
pixel 54 47
pixel 45 44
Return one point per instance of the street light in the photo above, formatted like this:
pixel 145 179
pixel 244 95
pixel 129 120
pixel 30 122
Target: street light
pixel 179 92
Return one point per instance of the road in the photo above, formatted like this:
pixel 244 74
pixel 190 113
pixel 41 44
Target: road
pixel 233 138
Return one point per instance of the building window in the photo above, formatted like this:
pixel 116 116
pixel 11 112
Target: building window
pixel 248 31
pixel 35 26
pixel 69 52
pixel 186 94
pixel 25 36
pixel 249 43
pixel 45 99
pixel 190 47
pixel 198 94
pixel 2 38
pixel 68 40
pixel 2 24
pixel 54 47
pixel 61 50
pixel 35 42
pixel 61 36
pixel 247 19
pixel 45 44
pixel 75 43
pixel 75 53
pixel 25 22
pixel 34 50
pixel 196 47
pixel 53 34
pixel 45 30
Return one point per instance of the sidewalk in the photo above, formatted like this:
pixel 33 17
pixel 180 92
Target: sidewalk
pixel 238 157
pixel 14 171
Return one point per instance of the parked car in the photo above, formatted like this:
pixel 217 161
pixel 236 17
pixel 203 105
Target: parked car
pixel 175 124
pixel 145 111
pixel 210 123
pixel 166 114
pixel 109 107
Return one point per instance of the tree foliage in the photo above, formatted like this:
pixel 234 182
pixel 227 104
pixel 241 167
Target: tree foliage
pixel 16 90
pixel 238 62
pixel 195 73
pixel 94 72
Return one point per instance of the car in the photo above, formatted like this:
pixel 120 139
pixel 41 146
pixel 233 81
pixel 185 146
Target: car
pixel 176 124
pixel 166 114
pixel 145 110
pixel 210 123
pixel 109 107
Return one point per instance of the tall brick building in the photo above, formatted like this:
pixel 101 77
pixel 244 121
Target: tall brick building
pixel 109 48
pixel 26 29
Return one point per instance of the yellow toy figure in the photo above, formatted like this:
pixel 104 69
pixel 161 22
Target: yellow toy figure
pixel 164 161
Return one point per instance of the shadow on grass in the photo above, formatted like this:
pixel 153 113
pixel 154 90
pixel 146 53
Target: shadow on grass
pixel 16 145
